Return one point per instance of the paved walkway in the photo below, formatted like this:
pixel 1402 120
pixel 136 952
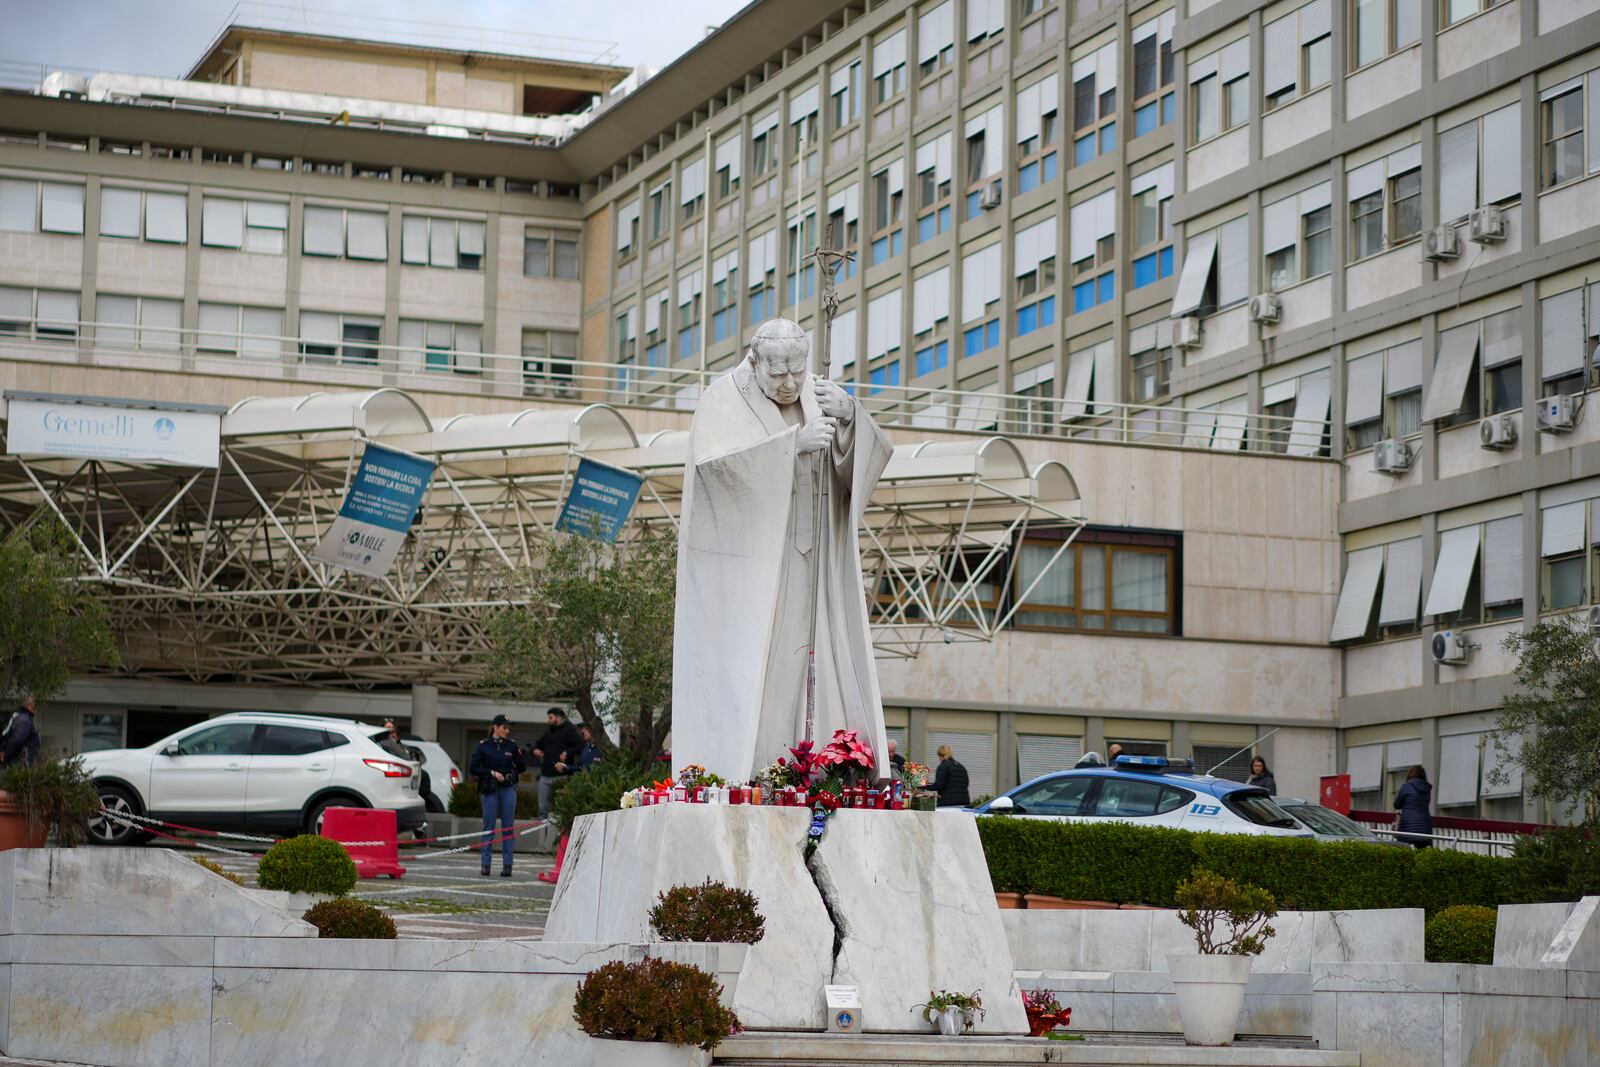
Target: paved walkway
pixel 445 897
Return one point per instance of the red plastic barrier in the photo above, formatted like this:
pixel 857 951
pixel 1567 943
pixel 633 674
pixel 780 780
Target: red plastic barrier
pixel 345 825
pixel 561 855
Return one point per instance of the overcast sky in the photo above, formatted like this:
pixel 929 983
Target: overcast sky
pixel 166 36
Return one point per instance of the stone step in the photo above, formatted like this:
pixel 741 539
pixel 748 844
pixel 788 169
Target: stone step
pixel 1096 1050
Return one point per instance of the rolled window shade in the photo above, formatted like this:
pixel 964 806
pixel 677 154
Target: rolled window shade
pixel 1364 181
pixel 1402 588
pixel 1403 755
pixel 368 235
pixel 324 231
pixel 119 212
pixel 1506 763
pixel 1562 529
pixel 1316 20
pixel 1458 769
pixel 117 316
pixel 1458 350
pixel 1502 560
pixel 1235 60
pixel 1452 570
pixel 1105 376
pixel 1231 420
pixel 1458 172
pixel 1233 248
pixel 1362 570
pixel 1502 338
pixel 1561 334
pixel 62 209
pixel 267 214
pixel 1364 764
pixel 1280 55
pixel 19 205
pixel 980 282
pixel 470 237
pixel 935 31
pixel 1280 225
pixel 441 243
pixel 1363 399
pixel 414 239
pixel 166 217
pixel 804 103
pixel 1405 369
pixel 222 223
pixel 319 328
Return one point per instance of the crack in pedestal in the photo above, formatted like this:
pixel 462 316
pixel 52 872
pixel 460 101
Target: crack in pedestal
pixel 825 892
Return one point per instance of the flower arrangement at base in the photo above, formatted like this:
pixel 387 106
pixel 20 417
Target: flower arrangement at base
pixel 847 758
pixel 954 1013
pixel 1045 1012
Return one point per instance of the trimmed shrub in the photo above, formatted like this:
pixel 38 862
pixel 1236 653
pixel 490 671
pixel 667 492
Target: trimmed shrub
pixel 466 804
pixel 654 1000
pixel 600 789
pixel 216 869
pixel 708 912
pixel 1560 864
pixel 350 918
pixel 1463 933
pixel 307 864
pixel 1130 864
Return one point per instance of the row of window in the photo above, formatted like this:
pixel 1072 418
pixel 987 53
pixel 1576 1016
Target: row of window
pixel 261 226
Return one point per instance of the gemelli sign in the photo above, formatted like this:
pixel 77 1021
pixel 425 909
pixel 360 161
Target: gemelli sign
pixel 92 430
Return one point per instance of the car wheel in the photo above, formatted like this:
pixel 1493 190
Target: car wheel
pixel 106 831
pixel 314 815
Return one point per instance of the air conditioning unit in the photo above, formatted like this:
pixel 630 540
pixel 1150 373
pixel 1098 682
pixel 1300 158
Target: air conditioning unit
pixel 1450 647
pixel 1559 413
pixel 1391 457
pixel 1487 226
pixel 1266 308
pixel 1441 242
pixel 989 199
pixel 1498 432
pixel 1186 332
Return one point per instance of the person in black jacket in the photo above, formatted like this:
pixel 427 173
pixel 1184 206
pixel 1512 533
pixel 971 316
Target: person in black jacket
pixel 1261 775
pixel 496 763
pixel 20 743
pixel 1412 804
pixel 950 781
pixel 557 753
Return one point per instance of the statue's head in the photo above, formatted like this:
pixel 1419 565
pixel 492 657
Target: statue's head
pixel 778 354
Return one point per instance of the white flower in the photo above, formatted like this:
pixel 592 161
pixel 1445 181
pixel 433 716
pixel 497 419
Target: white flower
pixel 630 800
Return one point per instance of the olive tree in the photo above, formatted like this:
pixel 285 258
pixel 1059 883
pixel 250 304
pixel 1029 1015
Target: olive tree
pixel 50 622
pixel 596 629
pixel 1550 726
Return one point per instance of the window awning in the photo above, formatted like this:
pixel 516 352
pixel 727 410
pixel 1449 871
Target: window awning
pixel 1361 575
pixel 1458 349
pixel 1310 415
pixel 1452 572
pixel 1196 272
pixel 1363 398
pixel 1402 589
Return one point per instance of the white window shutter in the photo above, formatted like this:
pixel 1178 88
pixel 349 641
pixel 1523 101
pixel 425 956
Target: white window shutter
pixel 166 217
pixel 1105 377
pixel 1458 172
pixel 120 212
pixel 1080 369
pixel 62 210
pixel 1363 181
pixel 222 223
pixel 1458 350
pixel 19 204
pixel 1405 368
pixel 1231 421
pixel 1502 559
pixel 1280 55
pixel 975 272
pixel 1502 338
pixel 1562 529
pixel 935 31
pixel 1363 394
pixel 1105 68
pixel 1402 588
pixel 1080 231
pixel 1310 414
pixel 1458 769
pixel 1361 572
pixel 1235 60
pixel 1197 261
pixel 1364 764
pixel 367 235
pixel 1233 249
pixel 1452 570
pixel 1280 225
pixel 1316 19
pixel 1027 113
pixel 1561 333
pixel 441 243
pixel 1494 761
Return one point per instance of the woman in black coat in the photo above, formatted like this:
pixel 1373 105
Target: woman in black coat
pixel 1261 775
pixel 950 781
pixel 1412 804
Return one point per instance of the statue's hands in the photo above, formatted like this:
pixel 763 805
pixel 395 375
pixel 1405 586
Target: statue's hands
pixel 817 434
pixel 834 402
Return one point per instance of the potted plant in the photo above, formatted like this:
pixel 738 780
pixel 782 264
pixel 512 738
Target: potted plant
pixel 711 913
pixel 1045 1012
pixel 1210 986
pixel 953 1013
pixel 52 794
pixel 653 1013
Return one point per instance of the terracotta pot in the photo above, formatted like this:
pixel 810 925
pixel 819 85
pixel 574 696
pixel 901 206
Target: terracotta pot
pixel 1010 901
pixel 14 829
pixel 1144 907
pixel 1046 903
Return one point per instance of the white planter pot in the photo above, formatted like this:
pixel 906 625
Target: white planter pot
pixel 951 1022
pixel 607 1052
pixel 1210 992
pixel 293 903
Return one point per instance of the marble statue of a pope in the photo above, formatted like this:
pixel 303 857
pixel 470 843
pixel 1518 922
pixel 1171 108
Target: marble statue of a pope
pixel 748 554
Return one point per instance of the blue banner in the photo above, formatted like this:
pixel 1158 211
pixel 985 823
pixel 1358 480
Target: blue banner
pixel 384 496
pixel 599 502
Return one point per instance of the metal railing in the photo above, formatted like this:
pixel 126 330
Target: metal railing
pixel 1484 841
pixel 357 363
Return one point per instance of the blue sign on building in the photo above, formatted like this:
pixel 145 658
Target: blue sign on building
pixel 377 511
pixel 599 502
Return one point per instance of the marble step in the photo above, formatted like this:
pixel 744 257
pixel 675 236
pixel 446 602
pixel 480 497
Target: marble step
pixel 1096 1050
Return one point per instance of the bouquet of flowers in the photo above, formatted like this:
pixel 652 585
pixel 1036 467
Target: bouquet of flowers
pixel 847 758
pixel 915 775
pixel 1045 1012
pixel 693 774
pixel 778 774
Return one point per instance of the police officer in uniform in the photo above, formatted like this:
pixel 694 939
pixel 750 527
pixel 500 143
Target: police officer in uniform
pixel 496 763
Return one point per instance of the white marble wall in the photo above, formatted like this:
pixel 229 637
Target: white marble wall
pixel 1523 932
pixel 1277 1004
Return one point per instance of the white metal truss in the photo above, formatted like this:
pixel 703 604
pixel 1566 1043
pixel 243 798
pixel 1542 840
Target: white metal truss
pixel 209 574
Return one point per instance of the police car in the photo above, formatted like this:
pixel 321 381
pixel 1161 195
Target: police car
pixel 1151 791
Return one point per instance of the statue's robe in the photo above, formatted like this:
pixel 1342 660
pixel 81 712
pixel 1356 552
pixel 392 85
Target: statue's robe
pixel 745 568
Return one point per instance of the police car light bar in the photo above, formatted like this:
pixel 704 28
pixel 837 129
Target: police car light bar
pixel 1153 764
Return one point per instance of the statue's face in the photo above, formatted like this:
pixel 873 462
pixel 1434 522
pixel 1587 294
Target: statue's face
pixel 781 370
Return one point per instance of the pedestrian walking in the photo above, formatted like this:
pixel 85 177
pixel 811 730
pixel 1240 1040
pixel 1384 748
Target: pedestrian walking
pixel 1261 775
pixel 1412 804
pixel 496 763
pixel 20 743
pixel 950 781
pixel 557 753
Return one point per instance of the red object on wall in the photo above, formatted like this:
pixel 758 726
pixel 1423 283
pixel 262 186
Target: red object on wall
pixel 1336 792
pixel 561 857
pixel 345 825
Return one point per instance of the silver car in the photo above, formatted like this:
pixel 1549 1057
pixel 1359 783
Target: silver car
pixel 1329 825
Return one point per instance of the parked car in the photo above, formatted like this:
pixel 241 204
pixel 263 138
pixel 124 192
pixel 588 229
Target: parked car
pixel 1329 825
pixel 440 774
pixel 256 772
pixel 1151 790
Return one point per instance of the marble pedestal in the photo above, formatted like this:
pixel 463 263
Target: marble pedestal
pixel 896 903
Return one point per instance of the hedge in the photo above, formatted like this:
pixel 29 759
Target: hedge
pixel 1130 864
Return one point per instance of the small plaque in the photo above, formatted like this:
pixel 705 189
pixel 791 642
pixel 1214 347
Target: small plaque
pixel 844 1008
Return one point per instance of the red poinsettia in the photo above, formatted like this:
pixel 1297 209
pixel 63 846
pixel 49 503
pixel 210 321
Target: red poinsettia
pixel 847 756
pixel 805 760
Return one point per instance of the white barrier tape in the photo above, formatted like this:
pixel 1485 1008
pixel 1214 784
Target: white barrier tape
pixel 497 840
pixel 128 818
pixel 128 821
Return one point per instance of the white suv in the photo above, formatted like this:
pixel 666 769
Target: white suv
pixel 255 772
